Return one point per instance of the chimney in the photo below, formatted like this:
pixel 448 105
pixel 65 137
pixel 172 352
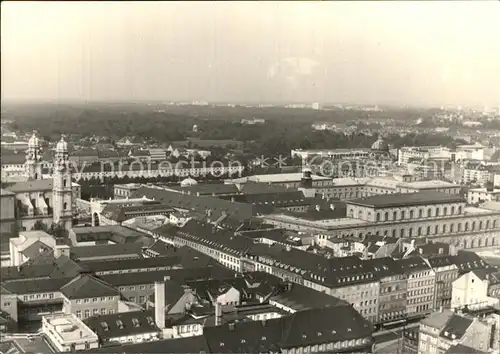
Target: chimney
pixel 317 208
pixel 160 304
pixel 420 251
pixel 332 207
pixel 218 314
pixel 61 250
pixel 441 251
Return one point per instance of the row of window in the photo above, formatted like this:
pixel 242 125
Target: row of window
pixel 94 300
pixel 419 300
pixel 419 292
pixel 38 296
pixel 421 213
pixel 95 312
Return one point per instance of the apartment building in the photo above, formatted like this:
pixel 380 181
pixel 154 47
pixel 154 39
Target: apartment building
pixel 421 285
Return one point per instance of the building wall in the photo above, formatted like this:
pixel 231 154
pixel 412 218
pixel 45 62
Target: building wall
pixel 469 290
pixel 84 308
pixel 445 276
pixel 392 297
pixel 420 294
pixel 8 303
pixel 137 293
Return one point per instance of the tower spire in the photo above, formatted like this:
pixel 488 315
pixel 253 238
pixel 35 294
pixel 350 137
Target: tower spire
pixel 33 161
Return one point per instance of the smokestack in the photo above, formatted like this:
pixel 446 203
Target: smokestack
pixel 160 304
pixel 218 314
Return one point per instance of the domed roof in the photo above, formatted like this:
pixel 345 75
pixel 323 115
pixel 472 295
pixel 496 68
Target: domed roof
pixel 188 182
pixel 380 145
pixel 62 145
pixel 34 141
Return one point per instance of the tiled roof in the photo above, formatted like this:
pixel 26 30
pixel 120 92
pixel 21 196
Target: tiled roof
pixel 456 327
pixel 193 345
pixel 120 213
pixel 87 286
pixel 31 186
pixel 467 261
pixel 209 189
pixel 110 250
pixel 36 249
pixel 462 349
pixel 178 275
pixel 303 328
pixel 128 264
pixel 279 200
pixel 122 324
pixel 299 297
pixel 406 199
pixel 21 287
pixel 212 207
pixel 214 238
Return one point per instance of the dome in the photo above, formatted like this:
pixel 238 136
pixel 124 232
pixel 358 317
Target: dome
pixel 188 182
pixel 33 142
pixel 62 145
pixel 380 145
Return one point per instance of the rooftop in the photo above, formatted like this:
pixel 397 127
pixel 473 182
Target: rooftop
pixel 406 199
pixel 122 324
pixel 70 328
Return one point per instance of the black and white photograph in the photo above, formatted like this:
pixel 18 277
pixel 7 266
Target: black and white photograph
pixel 282 177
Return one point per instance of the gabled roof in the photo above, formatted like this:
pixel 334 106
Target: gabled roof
pixel 87 286
pixel 36 249
pixel 456 327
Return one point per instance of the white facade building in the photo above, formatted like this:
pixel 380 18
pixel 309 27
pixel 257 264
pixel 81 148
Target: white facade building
pixel 68 333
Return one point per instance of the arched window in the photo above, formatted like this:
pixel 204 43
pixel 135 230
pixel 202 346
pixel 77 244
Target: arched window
pixel 466 226
pixel 394 233
pixel 479 243
pixel 360 214
pixel 411 214
pixel 386 216
pixel 402 233
pixel 459 227
pixel 378 216
pixel 473 225
pixel 444 229
pixel 486 242
pixel 460 209
pixel 403 214
pixel 452 227
pixel 429 213
pixel 436 229
pixel 428 230
pixel 445 211
pixel 64 183
pixel 437 211
pixel 410 232
pixel 65 206
pixel 481 225
pixel 395 215
pixel 420 213
pixel 487 224
pixel 419 231
pixel 452 210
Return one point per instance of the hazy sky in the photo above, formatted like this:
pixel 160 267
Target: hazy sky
pixel 429 53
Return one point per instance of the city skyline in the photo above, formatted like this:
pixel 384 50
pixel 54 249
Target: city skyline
pixel 367 53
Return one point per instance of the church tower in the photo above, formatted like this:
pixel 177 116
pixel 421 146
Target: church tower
pixel 34 159
pixel 62 193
